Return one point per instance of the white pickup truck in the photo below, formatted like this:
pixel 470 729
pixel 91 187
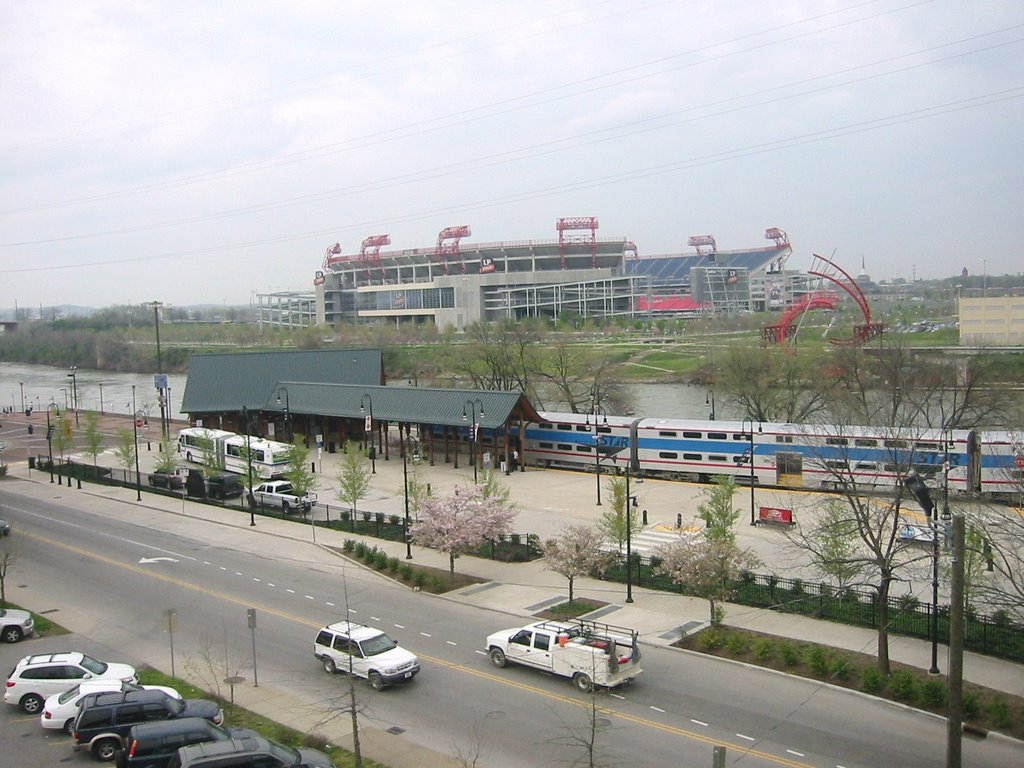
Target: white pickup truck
pixel 588 653
pixel 278 493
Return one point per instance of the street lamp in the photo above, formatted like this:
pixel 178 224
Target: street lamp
pixel 405 485
pixel 160 370
pixel 631 504
pixel 101 397
pixel 248 458
pixel 74 390
pixel 473 403
pixel 917 487
pixel 22 385
pixel 709 399
pixel 136 418
pixel 597 446
pixel 49 433
pixel 750 435
pixel 287 411
pixel 364 401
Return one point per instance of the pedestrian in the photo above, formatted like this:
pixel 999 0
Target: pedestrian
pixel 515 459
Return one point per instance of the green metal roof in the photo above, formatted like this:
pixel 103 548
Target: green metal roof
pixel 412 405
pixel 225 382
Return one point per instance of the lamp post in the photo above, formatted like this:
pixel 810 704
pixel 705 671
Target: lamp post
pixel 750 435
pixel 136 418
pixel 101 397
pixel 364 401
pixel 248 459
pixel 473 402
pixel 597 446
pixel 22 385
pixel 405 486
pixel 164 414
pixel 49 433
pixel 631 503
pixel 287 411
pixel 74 390
pixel 709 399
pixel 913 483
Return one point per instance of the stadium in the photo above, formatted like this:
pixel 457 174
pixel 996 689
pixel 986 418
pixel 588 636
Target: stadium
pixel 454 284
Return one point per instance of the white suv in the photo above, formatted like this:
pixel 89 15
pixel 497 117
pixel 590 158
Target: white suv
pixel 367 652
pixel 37 677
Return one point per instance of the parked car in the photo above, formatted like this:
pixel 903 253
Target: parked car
pixel 172 481
pixel 15 624
pixel 366 652
pixel 104 719
pixel 279 493
pixel 153 745
pixel 220 485
pixel 5 528
pixel 60 710
pixel 35 678
pixel 248 751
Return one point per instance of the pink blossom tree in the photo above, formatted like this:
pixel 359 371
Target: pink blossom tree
pixel 706 567
pixel 575 552
pixel 458 523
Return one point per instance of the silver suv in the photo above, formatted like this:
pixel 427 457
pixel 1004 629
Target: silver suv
pixel 366 652
pixel 35 678
pixel 15 624
pixel 250 751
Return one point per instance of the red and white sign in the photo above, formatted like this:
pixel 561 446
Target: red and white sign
pixel 138 422
pixel 1018 461
pixel 775 515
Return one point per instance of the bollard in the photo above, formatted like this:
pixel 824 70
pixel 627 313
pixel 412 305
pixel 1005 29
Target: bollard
pixel 149 446
pixel 645 517
pixel 313 467
pixel 679 521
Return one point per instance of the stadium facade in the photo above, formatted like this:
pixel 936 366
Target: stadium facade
pixel 455 285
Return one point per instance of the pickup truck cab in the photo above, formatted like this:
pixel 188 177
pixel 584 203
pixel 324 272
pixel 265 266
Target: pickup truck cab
pixel 588 653
pixel 278 493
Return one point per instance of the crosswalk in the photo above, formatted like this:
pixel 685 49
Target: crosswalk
pixel 652 538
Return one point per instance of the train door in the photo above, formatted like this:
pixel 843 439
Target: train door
pixel 789 470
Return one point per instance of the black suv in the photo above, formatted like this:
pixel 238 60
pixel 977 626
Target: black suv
pixel 104 719
pixel 249 751
pixel 152 745
pixel 222 485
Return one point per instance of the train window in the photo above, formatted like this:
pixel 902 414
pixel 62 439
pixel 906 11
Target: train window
pixel 668 455
pixel 583 448
pixel 717 436
pixel 836 441
pixel 716 458
pixel 565 427
pixel 544 426
pixel 604 430
pixel 694 435
pixel 864 442
pixel 895 443
pixel 564 447
pixel 693 457
pixel 926 447
pixel 667 434
pixel 585 428
pixel 867 465
pixel 783 438
pixel 545 445
pixel 836 465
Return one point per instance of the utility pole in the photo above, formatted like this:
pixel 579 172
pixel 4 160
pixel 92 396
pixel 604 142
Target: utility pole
pixel 955 712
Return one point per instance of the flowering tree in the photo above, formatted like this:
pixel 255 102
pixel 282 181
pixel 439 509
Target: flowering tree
pixel 458 523
pixel 706 567
pixel 576 552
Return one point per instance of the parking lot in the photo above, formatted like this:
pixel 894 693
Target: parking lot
pixel 23 742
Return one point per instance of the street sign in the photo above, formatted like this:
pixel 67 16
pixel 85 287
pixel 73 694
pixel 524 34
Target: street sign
pixel 138 422
pixel 160 380
pixel 1018 461
pixel 369 424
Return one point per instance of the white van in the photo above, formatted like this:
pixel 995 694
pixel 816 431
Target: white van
pixel 366 652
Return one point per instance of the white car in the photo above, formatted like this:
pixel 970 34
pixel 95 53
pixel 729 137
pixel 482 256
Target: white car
pixel 367 652
pixel 35 678
pixel 15 624
pixel 60 710
pixel 278 493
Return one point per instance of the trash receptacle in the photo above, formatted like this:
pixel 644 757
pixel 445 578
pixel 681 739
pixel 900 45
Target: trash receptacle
pixel 31 462
pixel 330 446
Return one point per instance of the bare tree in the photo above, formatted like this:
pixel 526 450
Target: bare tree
pixel 8 557
pixel 577 551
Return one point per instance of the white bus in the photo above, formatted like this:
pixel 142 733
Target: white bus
pixel 269 458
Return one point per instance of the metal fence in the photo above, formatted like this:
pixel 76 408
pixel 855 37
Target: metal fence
pixel 991 635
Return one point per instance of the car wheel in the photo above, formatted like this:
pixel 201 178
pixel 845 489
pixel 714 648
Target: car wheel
pixel 285 507
pixel 69 726
pixel 105 750
pixel 329 667
pixel 583 682
pixel 12 634
pixel 497 657
pixel 32 704
pixel 375 680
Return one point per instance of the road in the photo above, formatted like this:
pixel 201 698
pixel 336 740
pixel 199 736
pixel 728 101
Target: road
pixel 109 570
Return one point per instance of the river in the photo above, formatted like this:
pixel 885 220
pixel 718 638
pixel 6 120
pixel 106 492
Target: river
pixel 111 392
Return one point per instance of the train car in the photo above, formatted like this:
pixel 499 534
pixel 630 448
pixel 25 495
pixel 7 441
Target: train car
pixel 1002 465
pixel 574 440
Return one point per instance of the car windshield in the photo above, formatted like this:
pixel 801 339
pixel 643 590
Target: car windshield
pixel 96 667
pixel 68 695
pixel 379 644
pixel 286 755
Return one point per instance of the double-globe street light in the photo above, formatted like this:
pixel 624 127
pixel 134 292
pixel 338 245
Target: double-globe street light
pixel 74 391
pixel 52 406
pixel 473 402
pixel 287 411
pixel 709 399
pixel 248 459
pixel 405 486
pixel 137 417
pixel 367 401
pixel 631 504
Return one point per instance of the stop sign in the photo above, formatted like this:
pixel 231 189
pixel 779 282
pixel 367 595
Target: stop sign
pixel 138 422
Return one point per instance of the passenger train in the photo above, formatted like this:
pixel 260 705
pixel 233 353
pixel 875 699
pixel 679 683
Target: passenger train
pixel 785 455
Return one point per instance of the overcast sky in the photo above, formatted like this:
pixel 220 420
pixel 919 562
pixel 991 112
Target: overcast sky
pixel 201 151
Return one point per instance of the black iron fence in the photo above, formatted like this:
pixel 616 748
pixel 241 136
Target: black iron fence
pixel 992 635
